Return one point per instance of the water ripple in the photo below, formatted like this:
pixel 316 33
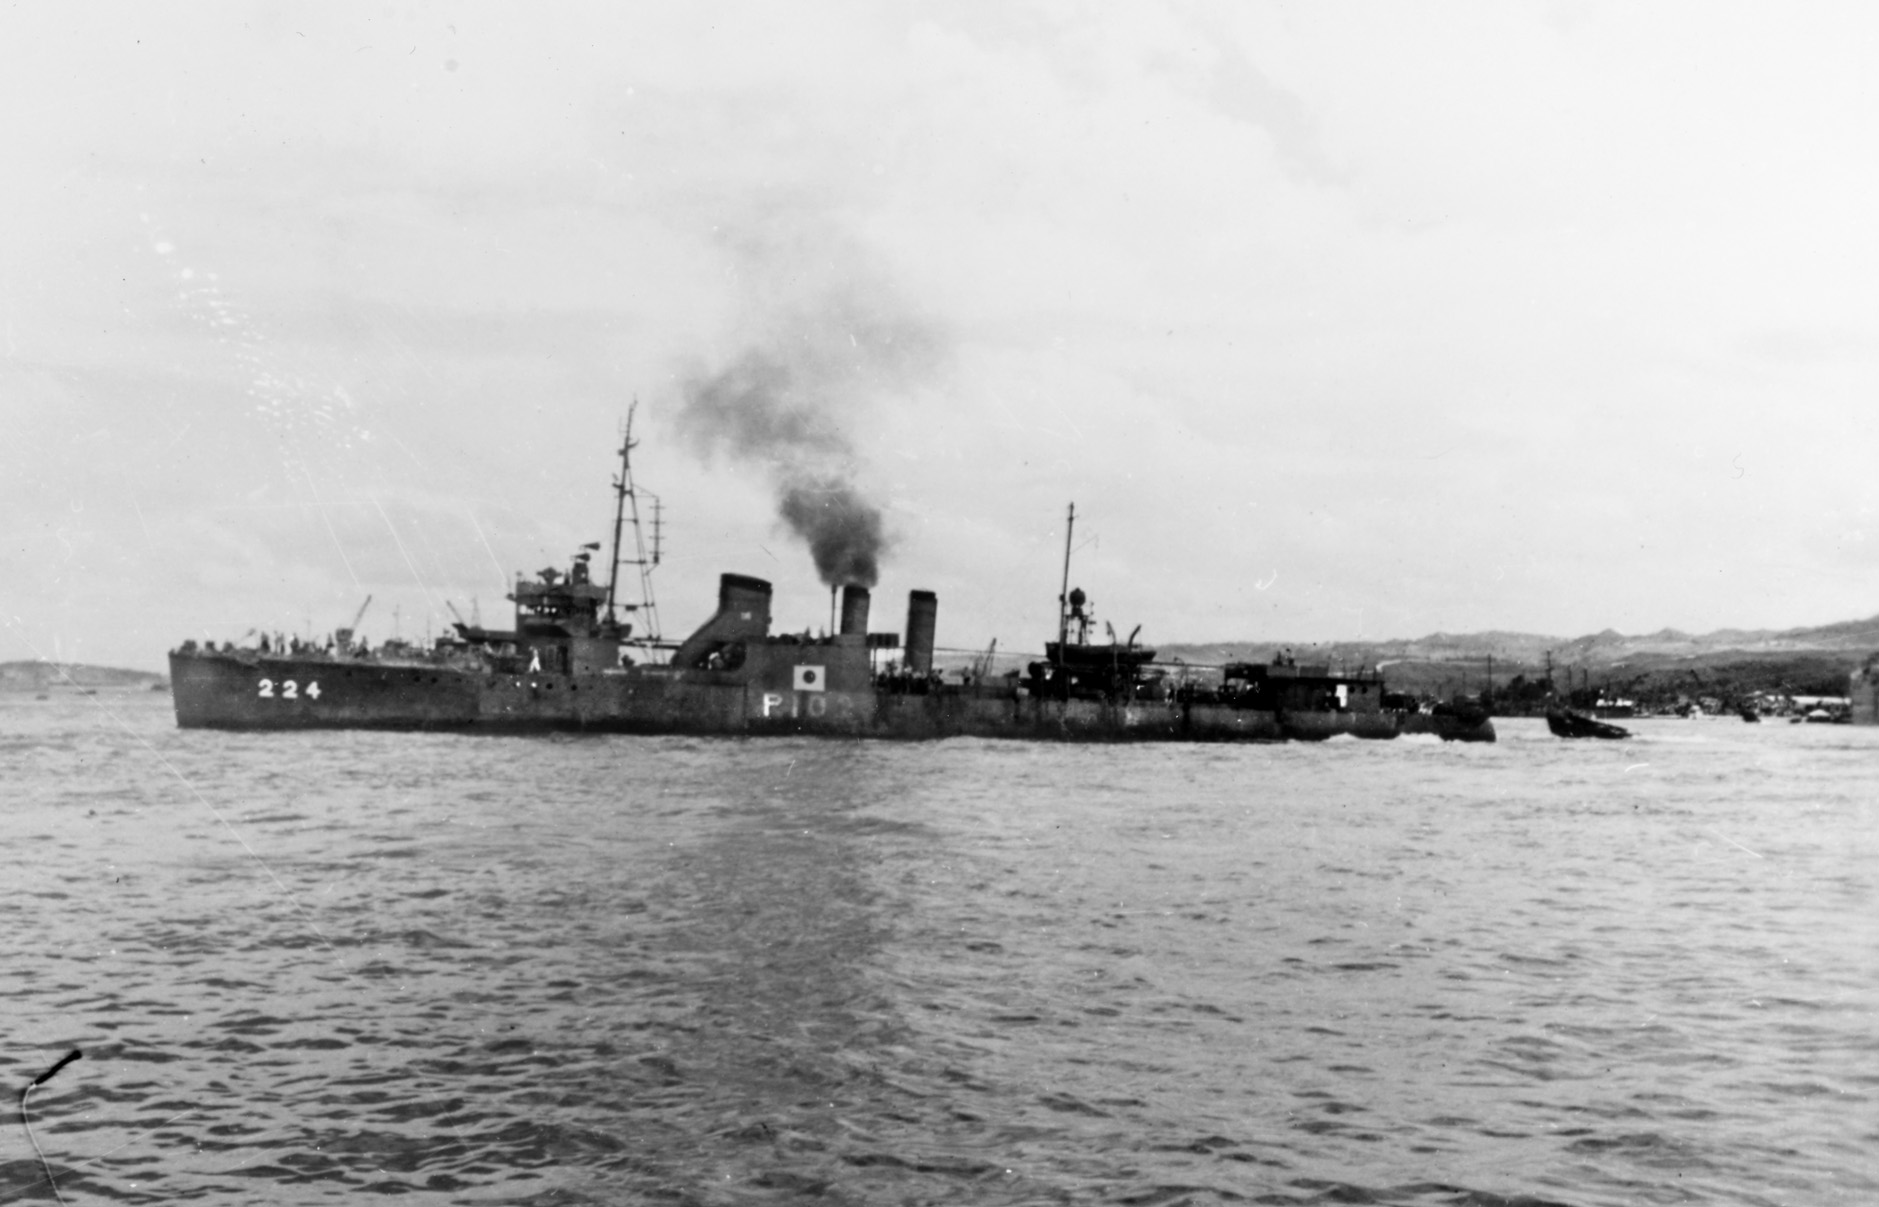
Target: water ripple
pixel 320 967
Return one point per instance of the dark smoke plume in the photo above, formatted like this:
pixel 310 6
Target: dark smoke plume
pixel 782 404
pixel 843 530
pixel 753 408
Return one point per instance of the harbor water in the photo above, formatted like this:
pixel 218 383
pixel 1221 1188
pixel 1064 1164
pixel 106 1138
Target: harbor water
pixel 324 967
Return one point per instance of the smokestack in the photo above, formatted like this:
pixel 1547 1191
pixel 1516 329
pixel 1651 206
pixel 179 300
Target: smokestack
pixel 854 611
pixel 922 616
pixel 743 615
pixel 740 593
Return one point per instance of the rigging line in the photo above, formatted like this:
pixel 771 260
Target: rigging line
pixel 430 549
pixel 396 540
pixel 1732 842
pixel 502 575
pixel 330 531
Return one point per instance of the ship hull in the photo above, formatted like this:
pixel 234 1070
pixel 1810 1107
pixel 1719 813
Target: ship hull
pixel 247 691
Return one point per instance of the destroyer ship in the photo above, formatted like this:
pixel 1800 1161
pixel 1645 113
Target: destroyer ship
pixel 573 662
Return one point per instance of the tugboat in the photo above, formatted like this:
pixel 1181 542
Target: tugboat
pixel 574 661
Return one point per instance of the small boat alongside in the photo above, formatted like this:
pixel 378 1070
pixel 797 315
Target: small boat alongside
pixel 1565 723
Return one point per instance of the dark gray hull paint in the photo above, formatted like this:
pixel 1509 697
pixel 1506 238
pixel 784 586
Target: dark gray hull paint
pixel 246 692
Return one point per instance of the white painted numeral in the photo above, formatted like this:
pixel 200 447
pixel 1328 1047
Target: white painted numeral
pixel 290 690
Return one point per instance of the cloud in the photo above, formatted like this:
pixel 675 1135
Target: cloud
pixel 1370 298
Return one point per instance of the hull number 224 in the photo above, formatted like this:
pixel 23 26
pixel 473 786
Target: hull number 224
pixel 290 690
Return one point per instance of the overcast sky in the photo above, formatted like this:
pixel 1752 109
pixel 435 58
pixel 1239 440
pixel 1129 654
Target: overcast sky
pixel 1335 321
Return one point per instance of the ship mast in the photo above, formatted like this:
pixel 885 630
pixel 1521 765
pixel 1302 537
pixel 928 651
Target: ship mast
pixel 619 510
pixel 1063 596
pixel 626 507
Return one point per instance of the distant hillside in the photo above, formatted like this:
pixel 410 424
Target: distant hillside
pixel 43 676
pixel 1657 669
pixel 1848 641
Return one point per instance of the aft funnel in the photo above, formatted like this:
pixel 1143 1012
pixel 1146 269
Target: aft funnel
pixel 922 617
pixel 854 611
